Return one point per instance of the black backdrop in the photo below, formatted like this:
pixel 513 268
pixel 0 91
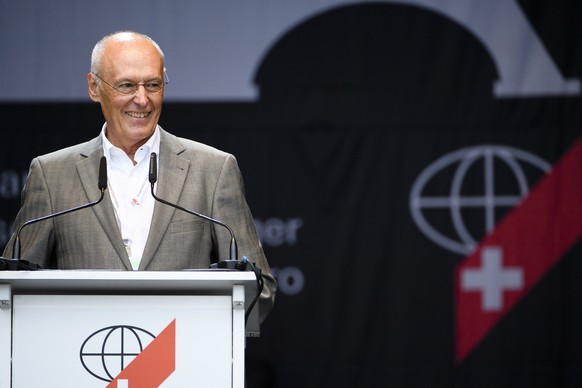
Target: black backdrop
pixel 354 105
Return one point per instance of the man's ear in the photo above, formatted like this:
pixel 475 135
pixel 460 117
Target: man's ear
pixel 93 88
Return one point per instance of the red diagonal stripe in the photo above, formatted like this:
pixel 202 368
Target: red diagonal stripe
pixel 154 364
pixel 532 238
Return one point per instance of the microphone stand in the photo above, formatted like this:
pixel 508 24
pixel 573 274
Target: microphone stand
pixel 16 244
pixel 233 262
pixel 16 263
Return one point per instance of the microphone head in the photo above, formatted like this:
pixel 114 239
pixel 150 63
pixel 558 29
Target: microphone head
pixel 103 173
pixel 153 175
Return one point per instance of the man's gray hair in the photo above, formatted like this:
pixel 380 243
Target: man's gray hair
pixel 97 53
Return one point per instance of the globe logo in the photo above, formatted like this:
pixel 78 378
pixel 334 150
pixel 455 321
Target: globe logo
pixel 105 353
pixel 459 198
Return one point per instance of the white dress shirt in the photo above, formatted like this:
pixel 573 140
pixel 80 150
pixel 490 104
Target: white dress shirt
pixel 129 189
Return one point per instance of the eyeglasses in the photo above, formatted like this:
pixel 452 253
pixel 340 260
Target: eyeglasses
pixel 127 88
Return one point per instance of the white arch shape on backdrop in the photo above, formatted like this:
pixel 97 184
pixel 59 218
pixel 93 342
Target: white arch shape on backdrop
pixel 214 47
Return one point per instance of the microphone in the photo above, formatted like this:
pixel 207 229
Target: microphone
pixel 233 263
pixel 16 262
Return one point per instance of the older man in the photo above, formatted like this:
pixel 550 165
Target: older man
pixel 129 230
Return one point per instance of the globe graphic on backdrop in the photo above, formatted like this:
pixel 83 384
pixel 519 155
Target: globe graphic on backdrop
pixel 105 353
pixel 470 185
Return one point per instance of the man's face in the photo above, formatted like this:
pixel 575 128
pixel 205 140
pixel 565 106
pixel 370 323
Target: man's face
pixel 131 119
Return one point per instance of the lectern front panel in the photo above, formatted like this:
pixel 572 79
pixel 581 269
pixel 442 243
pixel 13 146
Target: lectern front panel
pixel 120 341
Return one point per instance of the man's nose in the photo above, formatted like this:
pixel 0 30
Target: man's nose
pixel 140 95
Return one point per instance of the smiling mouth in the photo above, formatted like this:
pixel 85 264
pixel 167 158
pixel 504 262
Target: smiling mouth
pixel 138 115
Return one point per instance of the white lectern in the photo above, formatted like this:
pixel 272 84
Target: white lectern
pixel 123 329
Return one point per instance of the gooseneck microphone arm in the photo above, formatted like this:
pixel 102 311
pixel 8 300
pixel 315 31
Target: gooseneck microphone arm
pixel 233 261
pixel 102 186
pixel 153 177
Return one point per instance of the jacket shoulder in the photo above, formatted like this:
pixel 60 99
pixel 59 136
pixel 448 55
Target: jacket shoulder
pixel 73 152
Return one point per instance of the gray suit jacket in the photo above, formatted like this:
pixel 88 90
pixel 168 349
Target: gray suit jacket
pixel 192 175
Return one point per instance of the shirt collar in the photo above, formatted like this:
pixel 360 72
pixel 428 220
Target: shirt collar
pixel 112 152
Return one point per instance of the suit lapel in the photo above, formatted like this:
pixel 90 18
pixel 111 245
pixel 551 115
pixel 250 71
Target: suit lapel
pixel 172 174
pixel 88 169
